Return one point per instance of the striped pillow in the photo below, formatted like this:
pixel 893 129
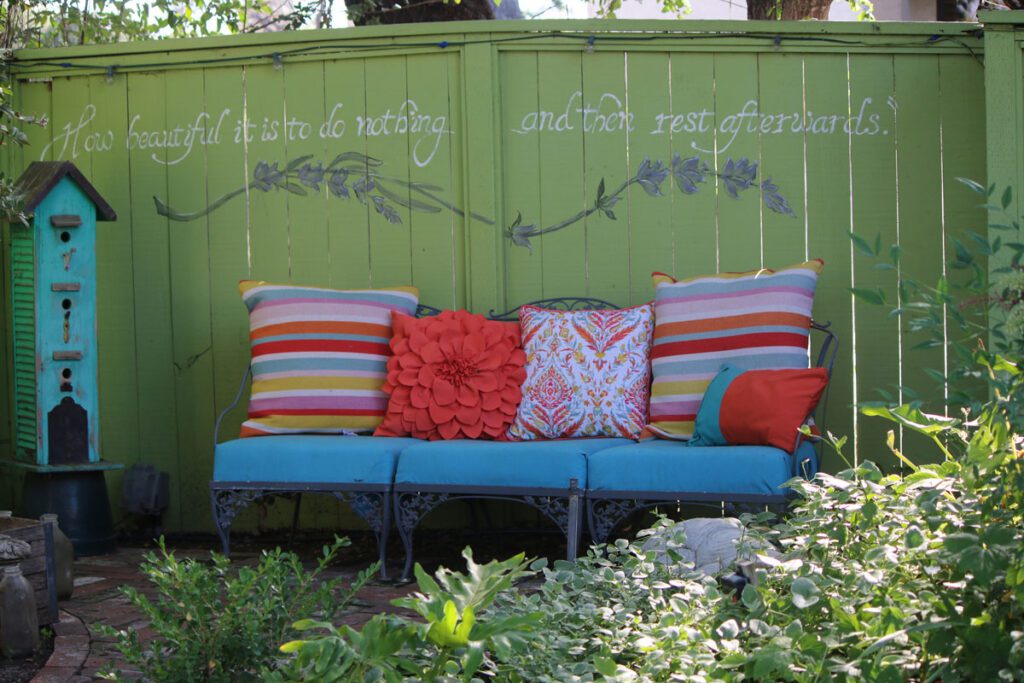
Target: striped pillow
pixel 319 356
pixel 755 320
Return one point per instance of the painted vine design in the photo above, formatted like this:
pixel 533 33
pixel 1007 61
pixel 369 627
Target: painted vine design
pixel 689 174
pixel 354 175
pixel 349 175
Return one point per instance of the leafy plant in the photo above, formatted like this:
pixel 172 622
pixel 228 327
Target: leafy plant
pixel 12 123
pixel 58 23
pixel 452 642
pixel 214 622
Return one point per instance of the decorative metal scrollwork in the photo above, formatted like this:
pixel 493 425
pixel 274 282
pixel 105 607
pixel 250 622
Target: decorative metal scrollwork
pixel 606 514
pixel 229 502
pixel 410 508
pixel 554 507
pixel 369 506
pixel 413 506
pixel 424 311
pixel 568 303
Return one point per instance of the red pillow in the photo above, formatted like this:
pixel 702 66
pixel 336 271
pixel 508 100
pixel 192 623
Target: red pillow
pixel 452 376
pixel 757 407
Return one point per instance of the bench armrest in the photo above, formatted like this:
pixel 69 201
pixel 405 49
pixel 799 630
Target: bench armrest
pixel 231 406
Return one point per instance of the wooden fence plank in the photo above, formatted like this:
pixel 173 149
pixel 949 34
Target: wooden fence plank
pixel 189 248
pixel 692 129
pixel 154 351
pixel 918 146
pixel 873 167
pixel 228 228
pixel 485 246
pixel 781 88
pixel 650 215
pixel 390 239
pixel 307 152
pixel 347 220
pixel 270 246
pixel 828 224
pixel 520 102
pixel 562 175
pixel 607 241
pixel 740 242
pixel 435 270
pixel 963 156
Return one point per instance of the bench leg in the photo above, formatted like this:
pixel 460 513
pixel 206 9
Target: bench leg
pixel 225 504
pixel 295 520
pixel 572 531
pixel 374 508
pixel 410 508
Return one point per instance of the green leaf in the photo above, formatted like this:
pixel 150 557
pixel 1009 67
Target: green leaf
pixel 912 418
pixel 606 666
pixel 805 593
pixel 913 539
pixel 976 187
pixel 728 629
pixel 750 597
pixel 862 245
pixel 471 661
pixel 1007 197
pixel 292 646
pixel 872 296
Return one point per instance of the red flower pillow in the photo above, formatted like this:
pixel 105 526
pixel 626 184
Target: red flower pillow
pixel 454 375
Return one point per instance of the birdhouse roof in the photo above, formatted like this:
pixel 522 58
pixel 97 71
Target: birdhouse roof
pixel 42 176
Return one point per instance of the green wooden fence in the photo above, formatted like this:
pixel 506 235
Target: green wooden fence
pixel 491 164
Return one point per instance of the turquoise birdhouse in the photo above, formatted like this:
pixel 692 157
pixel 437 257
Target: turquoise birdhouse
pixel 53 290
pixel 56 417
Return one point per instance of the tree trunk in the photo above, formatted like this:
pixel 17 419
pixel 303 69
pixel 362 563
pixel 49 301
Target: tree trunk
pixel 790 9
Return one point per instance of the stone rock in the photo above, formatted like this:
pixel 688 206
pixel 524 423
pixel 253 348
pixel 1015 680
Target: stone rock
pixel 710 543
pixel 13 549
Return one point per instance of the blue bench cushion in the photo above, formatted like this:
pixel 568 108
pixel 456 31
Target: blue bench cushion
pixel 309 459
pixel 658 465
pixel 489 464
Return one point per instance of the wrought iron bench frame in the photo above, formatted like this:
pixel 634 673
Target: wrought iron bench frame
pixel 408 504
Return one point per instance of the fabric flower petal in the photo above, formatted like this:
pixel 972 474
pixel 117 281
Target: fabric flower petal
pixel 448 430
pixel 468 396
pixel 483 381
pixel 431 352
pixel 439 413
pixel 444 392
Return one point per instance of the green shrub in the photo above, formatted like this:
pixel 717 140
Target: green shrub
pixel 215 622
pixel 451 642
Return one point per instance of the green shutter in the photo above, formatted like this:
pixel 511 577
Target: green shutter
pixel 23 275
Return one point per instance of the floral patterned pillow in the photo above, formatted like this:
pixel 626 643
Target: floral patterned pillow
pixel 587 373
